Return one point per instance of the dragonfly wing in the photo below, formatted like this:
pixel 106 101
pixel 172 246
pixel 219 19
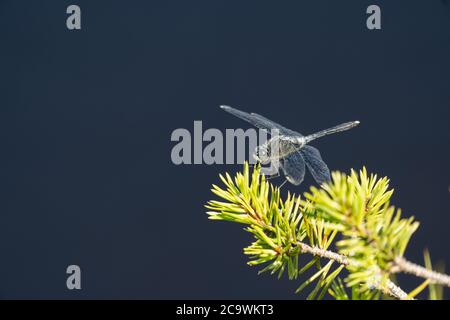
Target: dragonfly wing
pixel 315 164
pixel 293 167
pixel 283 130
pixel 257 122
pixel 260 121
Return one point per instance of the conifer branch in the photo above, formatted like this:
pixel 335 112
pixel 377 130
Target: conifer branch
pixel 405 266
pixel 372 234
pixel 315 251
pixel 395 291
pixel 390 289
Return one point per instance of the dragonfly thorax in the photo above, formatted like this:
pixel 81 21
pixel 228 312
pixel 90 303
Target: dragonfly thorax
pixel 278 147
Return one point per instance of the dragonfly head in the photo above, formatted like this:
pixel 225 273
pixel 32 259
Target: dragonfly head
pixel 261 154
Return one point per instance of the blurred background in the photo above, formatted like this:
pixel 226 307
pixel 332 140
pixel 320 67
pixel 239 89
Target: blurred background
pixel 86 119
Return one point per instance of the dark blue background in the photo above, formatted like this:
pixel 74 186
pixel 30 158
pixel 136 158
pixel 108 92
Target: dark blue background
pixel 86 118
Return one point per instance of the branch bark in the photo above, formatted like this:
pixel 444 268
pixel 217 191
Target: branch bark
pixel 392 289
pixel 403 265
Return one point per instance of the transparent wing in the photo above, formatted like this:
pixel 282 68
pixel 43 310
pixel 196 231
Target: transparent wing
pixel 260 121
pixel 315 164
pixel 283 130
pixel 293 167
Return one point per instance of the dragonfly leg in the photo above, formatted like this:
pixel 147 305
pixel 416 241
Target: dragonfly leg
pixel 272 176
pixel 271 172
pixel 282 184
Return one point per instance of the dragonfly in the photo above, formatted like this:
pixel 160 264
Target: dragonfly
pixel 290 148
